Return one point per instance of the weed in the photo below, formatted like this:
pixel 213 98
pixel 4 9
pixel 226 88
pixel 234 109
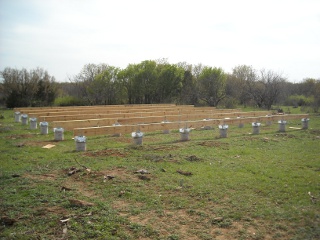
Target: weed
pixel 240 187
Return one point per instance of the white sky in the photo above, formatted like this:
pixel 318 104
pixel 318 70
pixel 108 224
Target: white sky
pixel 62 36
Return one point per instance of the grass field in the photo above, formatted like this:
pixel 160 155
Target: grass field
pixel 245 186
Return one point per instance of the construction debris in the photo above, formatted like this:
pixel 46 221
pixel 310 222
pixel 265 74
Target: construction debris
pixel 184 173
pixel 80 203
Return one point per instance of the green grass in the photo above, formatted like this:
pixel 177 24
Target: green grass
pixel 242 187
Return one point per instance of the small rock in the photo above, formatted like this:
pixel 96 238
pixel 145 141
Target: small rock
pixel 217 219
pixel 142 171
pixel 121 193
pixel 109 177
pixel 184 173
pixel 63 188
pixel 193 158
pixel 80 203
pixel 143 177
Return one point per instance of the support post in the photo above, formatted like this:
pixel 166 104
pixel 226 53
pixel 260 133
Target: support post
pixel 223 129
pixel 282 125
pixel 33 123
pixel 256 128
pixel 58 134
pixel 81 143
pixel 17 117
pixel 24 119
pixel 137 137
pixel 305 123
pixel 184 134
pixel 44 128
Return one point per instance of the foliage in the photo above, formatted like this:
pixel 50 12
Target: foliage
pixel 102 90
pixel 68 101
pixel 85 83
pixel 300 100
pixel 230 103
pixel 157 81
pixel 212 82
pixel 263 87
pixel 28 88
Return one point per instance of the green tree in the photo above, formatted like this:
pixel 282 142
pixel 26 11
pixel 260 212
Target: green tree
pixel 24 88
pixel 242 77
pixel 46 88
pixel 169 83
pixel 145 81
pixel 212 85
pixel 189 92
pixel 102 90
pixel 310 89
pixel 126 81
pixel 84 79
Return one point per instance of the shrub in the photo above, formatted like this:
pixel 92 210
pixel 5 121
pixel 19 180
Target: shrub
pixel 299 100
pixel 68 101
pixel 230 103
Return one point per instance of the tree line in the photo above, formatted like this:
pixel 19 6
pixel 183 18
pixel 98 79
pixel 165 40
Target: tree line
pixel 157 81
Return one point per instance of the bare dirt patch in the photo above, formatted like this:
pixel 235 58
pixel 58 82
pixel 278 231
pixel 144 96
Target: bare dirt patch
pixel 57 210
pixel 106 152
pixel 20 136
pixel 215 144
pixel 163 147
pixel 42 177
pixel 285 135
pixel 315 131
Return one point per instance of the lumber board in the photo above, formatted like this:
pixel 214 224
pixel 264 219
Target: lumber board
pixel 20 109
pixel 206 114
pixel 69 125
pixel 104 111
pixel 123 109
pixel 110 130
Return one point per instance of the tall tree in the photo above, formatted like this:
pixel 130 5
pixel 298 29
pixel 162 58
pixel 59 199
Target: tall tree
pixel 212 85
pixel 273 84
pixel 243 76
pixel 265 89
pixel 102 90
pixel 126 81
pixel 145 81
pixel 169 82
pixel 28 88
pixel 83 80
pixel 189 92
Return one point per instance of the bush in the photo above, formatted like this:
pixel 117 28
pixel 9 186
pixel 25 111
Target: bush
pixel 299 100
pixel 68 101
pixel 230 103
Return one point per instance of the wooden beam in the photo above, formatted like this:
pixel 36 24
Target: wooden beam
pixel 110 130
pixel 21 109
pixel 69 125
pixel 205 114
pixel 37 114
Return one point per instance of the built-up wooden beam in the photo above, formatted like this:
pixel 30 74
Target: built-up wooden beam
pixel 123 129
pixel 54 109
pixel 207 113
pixel 70 125
pixel 97 109
pixel 37 114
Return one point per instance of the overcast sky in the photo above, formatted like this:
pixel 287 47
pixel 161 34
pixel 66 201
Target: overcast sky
pixel 61 36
